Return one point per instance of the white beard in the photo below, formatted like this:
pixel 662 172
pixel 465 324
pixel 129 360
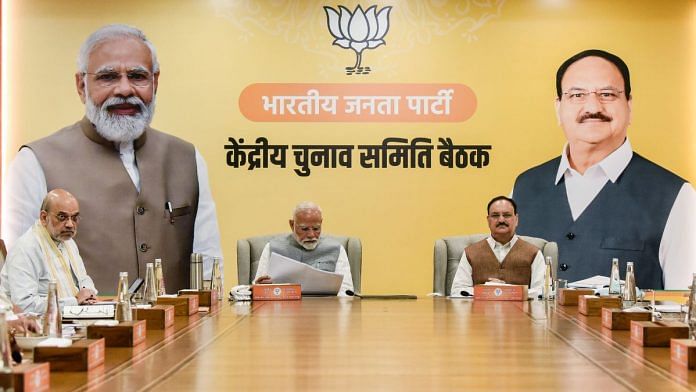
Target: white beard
pixel 306 245
pixel 120 128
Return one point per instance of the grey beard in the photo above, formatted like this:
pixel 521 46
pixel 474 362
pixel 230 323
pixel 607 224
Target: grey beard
pixel 120 128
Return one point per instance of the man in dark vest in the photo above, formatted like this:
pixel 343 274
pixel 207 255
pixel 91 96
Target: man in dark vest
pixel 502 257
pixel 601 200
pixel 145 192
pixel 305 245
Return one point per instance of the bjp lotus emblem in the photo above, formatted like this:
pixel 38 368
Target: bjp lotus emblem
pixel 358 30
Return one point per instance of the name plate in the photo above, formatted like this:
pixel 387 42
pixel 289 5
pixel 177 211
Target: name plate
pixel 157 317
pixel 184 305
pixel 683 352
pixel 485 292
pixel 276 292
pixel 83 355
pixel 658 333
pixel 591 305
pixel 569 297
pixel 27 377
pixel 617 319
pixel 125 334
pixel 205 297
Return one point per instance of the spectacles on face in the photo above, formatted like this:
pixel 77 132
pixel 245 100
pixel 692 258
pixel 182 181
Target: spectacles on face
pixel 496 216
pixel 307 229
pixel 138 78
pixel 62 218
pixel 604 95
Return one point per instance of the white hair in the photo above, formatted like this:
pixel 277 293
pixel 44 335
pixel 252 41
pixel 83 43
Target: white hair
pixel 111 32
pixel 305 206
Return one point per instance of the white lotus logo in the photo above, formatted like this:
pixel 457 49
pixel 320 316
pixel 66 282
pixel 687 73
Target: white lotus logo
pixel 358 30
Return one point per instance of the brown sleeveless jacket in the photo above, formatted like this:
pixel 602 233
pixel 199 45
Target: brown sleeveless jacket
pixel 516 267
pixel 122 229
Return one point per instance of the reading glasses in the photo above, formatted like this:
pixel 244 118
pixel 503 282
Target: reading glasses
pixel 138 78
pixel 603 95
pixel 64 217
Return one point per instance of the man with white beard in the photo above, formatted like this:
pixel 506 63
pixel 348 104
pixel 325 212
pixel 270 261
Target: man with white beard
pixel 305 245
pixel 145 192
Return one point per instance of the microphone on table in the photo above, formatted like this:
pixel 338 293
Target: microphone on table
pixel 352 293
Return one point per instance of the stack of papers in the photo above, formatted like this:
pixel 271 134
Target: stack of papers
pixel 313 281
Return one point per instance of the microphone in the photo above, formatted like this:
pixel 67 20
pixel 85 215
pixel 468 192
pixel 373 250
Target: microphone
pixel 353 293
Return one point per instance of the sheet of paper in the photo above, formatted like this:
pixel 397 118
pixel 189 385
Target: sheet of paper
pixel 88 312
pixel 595 282
pixel 669 308
pixel 314 281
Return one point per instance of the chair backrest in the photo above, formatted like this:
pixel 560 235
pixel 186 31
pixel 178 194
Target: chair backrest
pixel 449 250
pixel 249 252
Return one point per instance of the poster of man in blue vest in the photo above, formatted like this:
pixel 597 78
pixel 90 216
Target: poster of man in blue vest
pixel 600 199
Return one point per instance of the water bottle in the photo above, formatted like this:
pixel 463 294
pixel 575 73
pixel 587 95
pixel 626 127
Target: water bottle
pixel 691 315
pixel 196 281
pixel 629 293
pixel 123 305
pixel 52 323
pixel 5 348
pixel 615 278
pixel 548 280
pixel 216 279
pixel 159 278
pixel 150 290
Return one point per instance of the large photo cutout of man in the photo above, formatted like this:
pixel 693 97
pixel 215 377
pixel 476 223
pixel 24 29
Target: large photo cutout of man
pixel 600 199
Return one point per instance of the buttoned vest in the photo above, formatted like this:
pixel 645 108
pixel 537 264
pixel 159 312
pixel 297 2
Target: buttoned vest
pixel 625 220
pixel 323 257
pixel 123 229
pixel 516 267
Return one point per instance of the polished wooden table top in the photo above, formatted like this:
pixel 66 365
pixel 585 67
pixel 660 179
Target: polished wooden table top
pixel 352 344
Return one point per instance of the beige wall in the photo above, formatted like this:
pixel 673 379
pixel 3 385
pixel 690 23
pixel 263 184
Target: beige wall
pixel 508 54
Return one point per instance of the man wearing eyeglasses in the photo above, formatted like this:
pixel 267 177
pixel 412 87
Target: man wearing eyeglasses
pixel 145 192
pixel 305 245
pixel 47 252
pixel 601 200
pixel 502 257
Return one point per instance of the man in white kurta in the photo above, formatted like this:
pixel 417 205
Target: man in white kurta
pixel 46 252
pixel 516 260
pixel 305 245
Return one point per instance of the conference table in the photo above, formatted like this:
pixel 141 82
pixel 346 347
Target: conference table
pixel 428 344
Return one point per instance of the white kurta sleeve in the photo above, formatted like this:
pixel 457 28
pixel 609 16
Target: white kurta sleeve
pixel 84 281
pixel 463 280
pixel 23 192
pixel 26 279
pixel 206 234
pixel 343 268
pixel 677 248
pixel 536 284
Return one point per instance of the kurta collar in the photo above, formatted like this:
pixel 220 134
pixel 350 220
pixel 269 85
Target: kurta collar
pixel 492 242
pixel 613 165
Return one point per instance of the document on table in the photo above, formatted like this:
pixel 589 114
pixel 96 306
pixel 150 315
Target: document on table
pixel 313 281
pixel 595 282
pixel 88 312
